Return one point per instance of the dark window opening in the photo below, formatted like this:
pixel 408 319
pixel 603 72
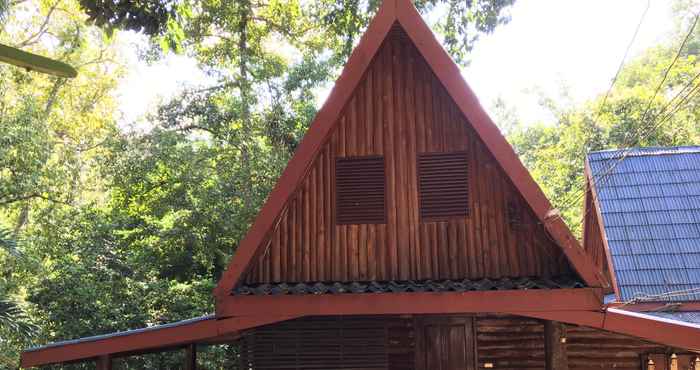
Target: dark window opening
pixel 359 186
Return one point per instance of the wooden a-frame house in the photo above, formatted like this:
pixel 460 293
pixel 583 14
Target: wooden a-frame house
pixel 406 234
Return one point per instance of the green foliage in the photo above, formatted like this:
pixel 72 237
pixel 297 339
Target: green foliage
pixel 125 229
pixel 149 17
pixel 555 153
pixel 332 24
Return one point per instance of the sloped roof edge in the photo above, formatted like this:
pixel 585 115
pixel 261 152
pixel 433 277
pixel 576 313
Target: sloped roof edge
pixel 403 12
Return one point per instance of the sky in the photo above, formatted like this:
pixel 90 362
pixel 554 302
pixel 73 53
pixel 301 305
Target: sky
pixel 547 45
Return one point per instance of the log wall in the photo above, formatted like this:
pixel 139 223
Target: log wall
pixel 399 110
pixel 444 343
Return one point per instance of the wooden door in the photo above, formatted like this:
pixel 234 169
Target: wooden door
pixel 445 343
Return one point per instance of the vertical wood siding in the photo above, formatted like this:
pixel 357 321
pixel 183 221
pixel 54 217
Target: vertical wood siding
pixel 593 238
pixel 398 111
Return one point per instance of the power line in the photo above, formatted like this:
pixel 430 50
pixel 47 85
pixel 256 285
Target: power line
pixel 692 93
pixel 622 63
pixel 597 178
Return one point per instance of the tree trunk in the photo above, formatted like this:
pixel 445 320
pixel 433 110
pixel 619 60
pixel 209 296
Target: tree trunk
pixel 245 87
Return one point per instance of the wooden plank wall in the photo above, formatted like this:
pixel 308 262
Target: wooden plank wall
pixel 593 238
pixel 596 349
pixel 398 343
pixel 358 343
pixel 509 342
pixel 398 110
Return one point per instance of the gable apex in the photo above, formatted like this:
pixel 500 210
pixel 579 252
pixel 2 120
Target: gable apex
pixel 402 12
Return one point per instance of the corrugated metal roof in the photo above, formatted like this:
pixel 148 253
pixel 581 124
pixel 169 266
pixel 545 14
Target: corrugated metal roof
pixel 650 203
pixel 560 282
pixel 686 316
pixel 123 333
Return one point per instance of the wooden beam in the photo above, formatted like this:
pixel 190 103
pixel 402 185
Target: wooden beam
pixel 658 330
pixel 413 303
pixel 145 340
pixel 555 345
pixel 190 357
pixel 104 362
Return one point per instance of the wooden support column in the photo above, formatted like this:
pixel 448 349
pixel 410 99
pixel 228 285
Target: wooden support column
pixel 674 362
pixel 104 362
pixel 555 346
pixel 650 365
pixel 191 357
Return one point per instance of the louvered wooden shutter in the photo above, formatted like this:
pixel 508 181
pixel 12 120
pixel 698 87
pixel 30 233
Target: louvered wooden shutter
pixel 318 343
pixel 444 185
pixel 360 190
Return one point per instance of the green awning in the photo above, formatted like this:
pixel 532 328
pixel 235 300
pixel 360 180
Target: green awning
pixel 35 62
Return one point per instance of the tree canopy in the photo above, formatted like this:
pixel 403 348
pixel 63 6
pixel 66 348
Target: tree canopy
pixel 104 228
pixel 120 228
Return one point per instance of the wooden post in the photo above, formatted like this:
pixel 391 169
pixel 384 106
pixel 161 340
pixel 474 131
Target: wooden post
pixel 104 362
pixel 651 365
pixel 191 357
pixel 555 346
pixel 696 363
pixel 674 362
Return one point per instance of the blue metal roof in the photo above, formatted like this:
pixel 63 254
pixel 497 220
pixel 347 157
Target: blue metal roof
pixel 650 203
pixel 686 316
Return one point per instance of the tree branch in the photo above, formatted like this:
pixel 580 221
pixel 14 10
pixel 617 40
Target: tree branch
pixel 20 198
pixel 42 29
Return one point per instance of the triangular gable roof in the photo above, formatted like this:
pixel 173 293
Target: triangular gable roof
pixel 404 13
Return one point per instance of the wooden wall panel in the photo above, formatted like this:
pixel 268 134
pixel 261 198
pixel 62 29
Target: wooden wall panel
pixel 399 110
pixel 445 343
pixel 448 342
pixel 508 342
pixel 596 349
pixel 593 242
pixel 512 342
pixel 324 343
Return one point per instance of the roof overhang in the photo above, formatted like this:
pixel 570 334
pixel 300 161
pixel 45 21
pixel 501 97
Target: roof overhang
pixel 412 303
pixel 668 332
pixel 154 339
pixel 683 306
pixel 580 306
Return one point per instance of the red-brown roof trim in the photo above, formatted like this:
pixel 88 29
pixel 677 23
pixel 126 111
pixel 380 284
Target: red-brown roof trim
pixel 590 184
pixel 414 303
pixel 672 333
pixel 144 340
pixel 403 12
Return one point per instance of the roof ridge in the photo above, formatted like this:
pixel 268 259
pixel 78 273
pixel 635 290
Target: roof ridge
pixel 598 155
